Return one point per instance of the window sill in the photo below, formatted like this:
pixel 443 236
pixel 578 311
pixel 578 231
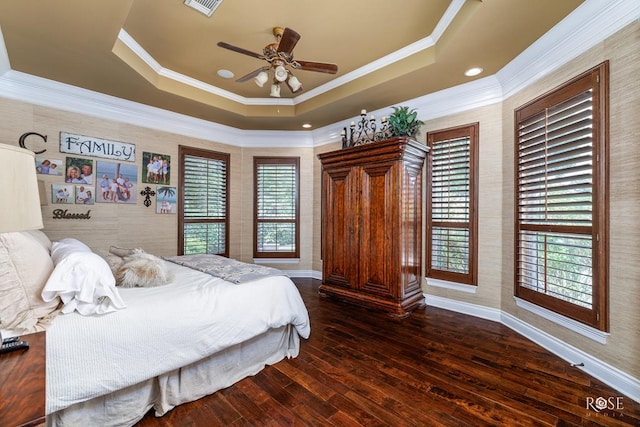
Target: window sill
pixel 276 260
pixel 580 328
pixel 451 285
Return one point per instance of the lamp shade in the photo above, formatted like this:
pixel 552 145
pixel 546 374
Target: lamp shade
pixel 294 84
pixel 261 78
pixel 19 196
pixel 275 90
pixel 280 73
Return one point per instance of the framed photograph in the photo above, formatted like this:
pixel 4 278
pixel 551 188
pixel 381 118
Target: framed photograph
pixel 84 195
pixel 166 199
pixel 62 194
pixel 156 168
pixel 117 182
pixel 78 171
pixel 46 166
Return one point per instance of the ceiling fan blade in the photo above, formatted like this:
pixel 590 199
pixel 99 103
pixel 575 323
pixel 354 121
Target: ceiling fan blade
pixel 321 67
pixel 288 41
pixel 240 50
pixel 252 74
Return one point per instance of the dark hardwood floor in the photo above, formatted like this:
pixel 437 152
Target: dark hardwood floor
pixel 361 368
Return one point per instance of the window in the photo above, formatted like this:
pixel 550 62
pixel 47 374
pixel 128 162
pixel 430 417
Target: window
pixel 561 208
pixel 276 224
pixel 452 216
pixel 203 221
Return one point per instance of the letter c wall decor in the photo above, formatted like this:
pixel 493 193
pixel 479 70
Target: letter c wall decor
pixel 25 135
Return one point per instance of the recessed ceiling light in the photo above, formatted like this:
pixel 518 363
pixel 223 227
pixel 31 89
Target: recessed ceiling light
pixel 225 74
pixel 306 125
pixel 473 71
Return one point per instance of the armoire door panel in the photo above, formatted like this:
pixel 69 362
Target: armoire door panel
pixel 339 229
pixel 411 232
pixel 377 228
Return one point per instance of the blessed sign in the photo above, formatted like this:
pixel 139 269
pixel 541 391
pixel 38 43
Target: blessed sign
pixel 96 147
pixel 64 214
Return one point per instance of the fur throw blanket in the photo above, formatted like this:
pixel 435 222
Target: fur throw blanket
pixel 138 269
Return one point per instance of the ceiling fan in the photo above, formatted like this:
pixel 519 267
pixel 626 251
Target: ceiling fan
pixel 279 55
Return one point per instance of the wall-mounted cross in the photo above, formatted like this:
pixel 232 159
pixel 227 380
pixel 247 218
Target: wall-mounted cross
pixel 147 192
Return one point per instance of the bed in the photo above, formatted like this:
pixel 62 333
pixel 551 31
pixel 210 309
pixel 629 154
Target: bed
pixel 129 350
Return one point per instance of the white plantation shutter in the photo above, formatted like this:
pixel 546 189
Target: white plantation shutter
pixel 555 167
pixel 557 229
pixel 555 174
pixel 276 207
pixel 450 205
pixel 451 214
pixel 204 215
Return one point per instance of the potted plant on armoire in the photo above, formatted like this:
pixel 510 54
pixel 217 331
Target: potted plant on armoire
pixel 404 122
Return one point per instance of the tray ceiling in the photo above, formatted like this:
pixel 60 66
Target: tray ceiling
pixel 163 53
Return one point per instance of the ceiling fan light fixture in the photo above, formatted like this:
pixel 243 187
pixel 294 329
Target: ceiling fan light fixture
pixel 275 90
pixel 279 56
pixel 281 73
pixel 261 78
pixel 294 84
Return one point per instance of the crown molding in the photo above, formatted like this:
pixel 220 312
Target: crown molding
pixel 277 139
pixel 464 97
pixel 5 65
pixel 425 43
pixel 48 93
pixel 61 96
pixel 155 66
pixel 589 24
pixel 391 58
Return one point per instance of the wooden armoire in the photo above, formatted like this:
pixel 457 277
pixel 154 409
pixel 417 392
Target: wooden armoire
pixel 372 225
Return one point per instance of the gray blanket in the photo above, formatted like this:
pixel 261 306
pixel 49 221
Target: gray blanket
pixel 225 268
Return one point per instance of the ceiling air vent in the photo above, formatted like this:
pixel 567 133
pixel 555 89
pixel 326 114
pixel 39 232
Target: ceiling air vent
pixel 206 7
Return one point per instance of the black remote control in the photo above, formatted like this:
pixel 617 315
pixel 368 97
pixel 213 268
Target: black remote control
pixel 10 339
pixel 12 346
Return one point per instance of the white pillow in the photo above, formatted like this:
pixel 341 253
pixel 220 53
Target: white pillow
pixel 82 279
pixel 60 249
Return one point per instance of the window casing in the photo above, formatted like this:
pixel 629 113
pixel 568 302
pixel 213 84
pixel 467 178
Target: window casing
pixel 452 214
pixel 561 221
pixel 276 207
pixel 203 220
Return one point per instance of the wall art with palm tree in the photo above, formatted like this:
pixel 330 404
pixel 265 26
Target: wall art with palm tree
pixel 166 199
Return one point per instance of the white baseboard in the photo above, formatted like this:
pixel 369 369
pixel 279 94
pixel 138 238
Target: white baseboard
pixel 464 307
pixel 313 274
pixel 610 375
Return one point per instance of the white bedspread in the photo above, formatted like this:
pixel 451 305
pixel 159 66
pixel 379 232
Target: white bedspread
pixel 162 329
